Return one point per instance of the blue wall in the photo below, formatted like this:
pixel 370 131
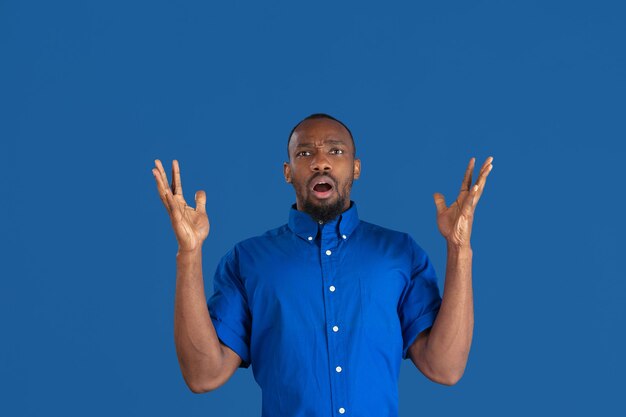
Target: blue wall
pixel 92 92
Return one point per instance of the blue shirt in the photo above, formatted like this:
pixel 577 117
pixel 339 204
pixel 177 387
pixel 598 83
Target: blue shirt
pixel 324 313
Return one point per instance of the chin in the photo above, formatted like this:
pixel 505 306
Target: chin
pixel 324 203
pixel 324 210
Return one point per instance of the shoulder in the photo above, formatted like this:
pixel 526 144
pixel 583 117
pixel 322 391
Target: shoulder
pixel 367 229
pixel 378 229
pixel 253 247
pixel 264 240
pixel 390 237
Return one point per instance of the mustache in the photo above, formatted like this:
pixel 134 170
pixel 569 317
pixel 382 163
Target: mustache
pixel 322 175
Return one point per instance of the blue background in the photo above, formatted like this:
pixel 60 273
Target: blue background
pixel 92 92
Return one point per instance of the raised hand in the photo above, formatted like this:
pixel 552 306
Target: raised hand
pixel 455 222
pixel 191 226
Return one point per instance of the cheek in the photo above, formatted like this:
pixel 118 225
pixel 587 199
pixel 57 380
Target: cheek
pixel 299 184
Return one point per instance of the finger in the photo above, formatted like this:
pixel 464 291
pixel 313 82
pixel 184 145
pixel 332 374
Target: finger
pixel 201 201
pixel 479 187
pixel 162 189
pixel 482 180
pixel 467 179
pixel 159 166
pixel 469 205
pixel 484 171
pixel 175 212
pixel 440 202
pixel 487 162
pixel 177 186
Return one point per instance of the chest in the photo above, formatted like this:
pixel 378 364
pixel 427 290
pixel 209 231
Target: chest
pixel 302 284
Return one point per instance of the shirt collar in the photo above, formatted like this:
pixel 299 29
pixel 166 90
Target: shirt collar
pixel 302 224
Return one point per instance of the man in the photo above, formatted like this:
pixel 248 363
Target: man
pixel 325 306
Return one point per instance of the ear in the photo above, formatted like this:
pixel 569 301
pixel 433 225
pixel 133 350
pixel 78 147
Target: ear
pixel 357 168
pixel 287 171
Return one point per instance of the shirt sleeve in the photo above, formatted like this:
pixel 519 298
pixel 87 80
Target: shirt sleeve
pixel 228 307
pixel 420 300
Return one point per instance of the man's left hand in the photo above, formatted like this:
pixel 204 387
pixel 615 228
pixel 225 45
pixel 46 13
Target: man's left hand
pixel 455 221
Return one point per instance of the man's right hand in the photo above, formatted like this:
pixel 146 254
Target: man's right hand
pixel 191 226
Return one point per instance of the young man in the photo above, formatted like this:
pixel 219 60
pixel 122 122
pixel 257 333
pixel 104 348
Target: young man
pixel 325 306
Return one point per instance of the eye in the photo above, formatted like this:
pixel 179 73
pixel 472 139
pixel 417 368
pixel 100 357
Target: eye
pixel 336 151
pixel 303 153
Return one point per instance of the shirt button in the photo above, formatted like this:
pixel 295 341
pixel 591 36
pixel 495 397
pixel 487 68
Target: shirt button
pixel 310 237
pixel 344 236
pixel 342 410
pixel 338 369
pixel 320 222
pixel 332 288
pixel 335 329
pixel 328 252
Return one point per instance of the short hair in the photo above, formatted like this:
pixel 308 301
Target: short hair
pixel 319 116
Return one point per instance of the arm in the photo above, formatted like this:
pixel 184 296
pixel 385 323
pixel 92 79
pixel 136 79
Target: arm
pixel 204 361
pixel 441 352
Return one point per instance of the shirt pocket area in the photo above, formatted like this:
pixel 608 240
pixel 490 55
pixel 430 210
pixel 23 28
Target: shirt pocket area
pixel 379 309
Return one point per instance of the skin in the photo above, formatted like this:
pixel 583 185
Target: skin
pixel 441 352
pixel 320 147
pixel 205 362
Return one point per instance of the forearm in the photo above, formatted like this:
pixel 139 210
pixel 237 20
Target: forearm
pixel 199 351
pixel 450 338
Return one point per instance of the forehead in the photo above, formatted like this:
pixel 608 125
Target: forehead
pixel 318 131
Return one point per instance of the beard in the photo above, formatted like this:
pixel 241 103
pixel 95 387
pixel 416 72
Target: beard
pixel 325 211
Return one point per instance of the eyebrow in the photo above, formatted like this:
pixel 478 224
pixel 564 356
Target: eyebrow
pixel 311 145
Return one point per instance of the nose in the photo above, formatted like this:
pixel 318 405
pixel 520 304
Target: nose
pixel 320 162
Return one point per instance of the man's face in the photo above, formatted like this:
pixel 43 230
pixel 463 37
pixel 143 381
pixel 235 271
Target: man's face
pixel 322 168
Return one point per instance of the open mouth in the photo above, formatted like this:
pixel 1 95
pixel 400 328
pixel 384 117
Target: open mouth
pixel 322 187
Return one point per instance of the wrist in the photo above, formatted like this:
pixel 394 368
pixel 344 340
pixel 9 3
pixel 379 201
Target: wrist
pixel 188 253
pixel 464 250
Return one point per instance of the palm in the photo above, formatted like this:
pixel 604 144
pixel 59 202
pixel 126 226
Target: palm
pixel 191 226
pixel 452 223
pixel 455 221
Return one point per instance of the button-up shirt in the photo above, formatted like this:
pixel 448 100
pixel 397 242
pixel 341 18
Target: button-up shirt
pixel 324 313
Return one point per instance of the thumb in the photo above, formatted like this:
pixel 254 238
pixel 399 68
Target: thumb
pixel 440 202
pixel 200 201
